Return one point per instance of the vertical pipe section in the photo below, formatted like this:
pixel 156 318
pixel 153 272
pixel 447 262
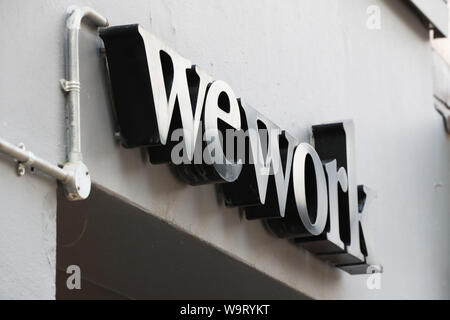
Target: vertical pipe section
pixel 72 84
pixel 79 185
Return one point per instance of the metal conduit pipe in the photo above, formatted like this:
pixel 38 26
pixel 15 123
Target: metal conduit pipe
pixel 72 84
pixel 74 175
pixel 82 187
pixel 27 158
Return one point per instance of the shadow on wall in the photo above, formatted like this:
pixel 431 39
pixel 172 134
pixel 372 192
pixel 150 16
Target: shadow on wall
pixel 125 253
pixel 408 17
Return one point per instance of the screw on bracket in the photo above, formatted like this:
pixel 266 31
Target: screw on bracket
pixel 20 168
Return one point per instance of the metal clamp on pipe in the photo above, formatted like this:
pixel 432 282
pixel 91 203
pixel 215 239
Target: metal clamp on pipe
pixel 74 175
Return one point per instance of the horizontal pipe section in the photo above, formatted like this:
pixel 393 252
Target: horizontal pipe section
pixel 30 159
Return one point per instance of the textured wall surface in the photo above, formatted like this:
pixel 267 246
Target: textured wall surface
pixel 298 62
pixel 32 112
pixel 27 235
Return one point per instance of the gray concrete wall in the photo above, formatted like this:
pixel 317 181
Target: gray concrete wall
pixel 31 111
pixel 300 63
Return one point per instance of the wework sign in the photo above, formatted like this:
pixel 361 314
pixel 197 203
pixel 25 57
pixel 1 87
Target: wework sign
pixel 305 193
